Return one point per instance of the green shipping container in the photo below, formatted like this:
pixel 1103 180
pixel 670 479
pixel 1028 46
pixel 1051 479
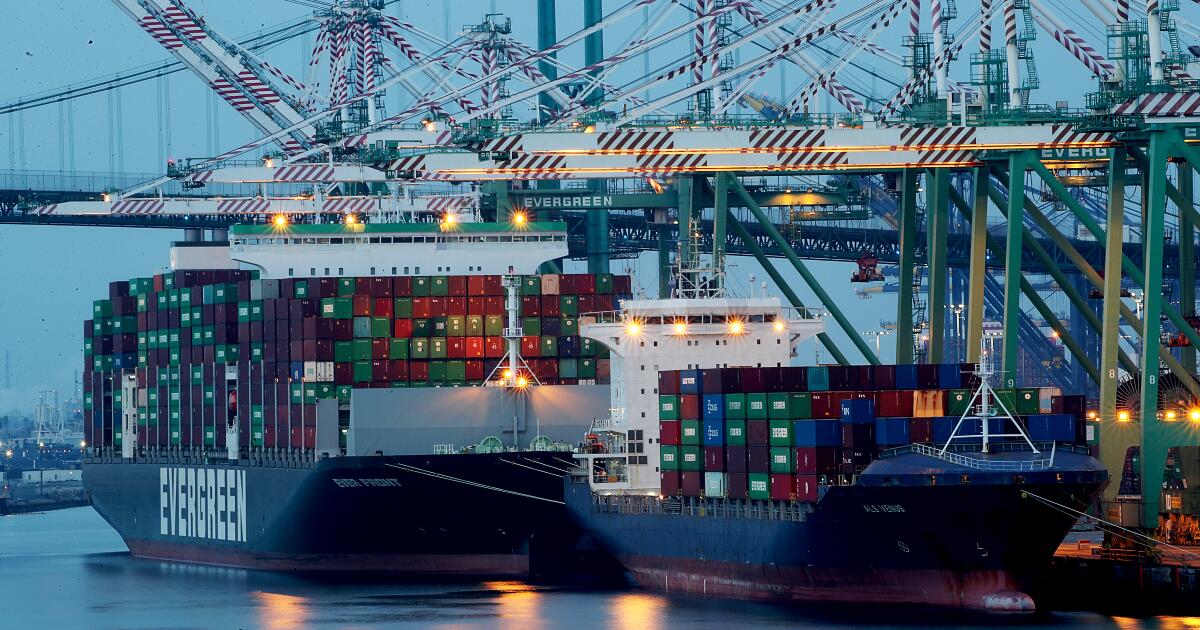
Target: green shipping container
pixel 402 308
pixel 587 367
pixel 549 346
pixel 493 325
pixel 337 308
pixel 781 433
pixel 735 407
pixel 398 349
pixel 419 348
pixel 957 401
pixel 345 287
pixel 587 347
pixel 760 486
pixel 437 371
pixel 343 351
pixel 781 460
pixel 437 349
pixel 474 325
pixel 801 405
pixel 420 286
pixel 381 327
pixel 456 326
pixel 439 286
pixel 779 406
pixel 690 458
pixel 362 349
pixel 689 432
pixel 531 285
pixel 531 326
pixel 343 392
pixel 569 326
pixel 668 458
pixel 568 305
pixel 1028 402
pixel 301 289
pixel 456 371
pixel 421 328
pixel 756 406
pixel 568 368
pixel 735 432
pixel 604 283
pixel 437 327
pixel 362 371
pixel 668 407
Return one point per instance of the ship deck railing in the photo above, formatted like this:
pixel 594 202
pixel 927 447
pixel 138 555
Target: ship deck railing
pixel 968 455
pixel 621 316
pixel 702 507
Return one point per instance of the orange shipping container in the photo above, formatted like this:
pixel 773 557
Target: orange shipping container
pixel 929 403
pixel 550 284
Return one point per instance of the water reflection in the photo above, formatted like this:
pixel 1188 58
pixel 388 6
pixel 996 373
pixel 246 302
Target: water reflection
pixel 518 606
pixel 276 610
pixel 637 610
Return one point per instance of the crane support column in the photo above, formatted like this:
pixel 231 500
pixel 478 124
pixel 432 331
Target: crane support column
pixel 664 261
pixel 1187 258
pixel 1115 437
pixel 597 222
pixel 908 246
pixel 769 267
pixel 938 197
pixel 547 36
pixel 720 214
pixel 809 279
pixel 1154 449
pixel 688 212
pixel 978 264
pixel 1012 267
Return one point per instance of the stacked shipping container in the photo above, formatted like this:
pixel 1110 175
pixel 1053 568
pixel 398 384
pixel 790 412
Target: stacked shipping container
pixel 781 433
pixel 297 341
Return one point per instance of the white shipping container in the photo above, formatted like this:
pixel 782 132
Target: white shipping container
pixel 714 484
pixel 324 371
pixel 50 476
pixel 310 371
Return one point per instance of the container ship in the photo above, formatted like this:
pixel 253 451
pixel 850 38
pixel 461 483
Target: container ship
pixel 395 397
pixel 726 472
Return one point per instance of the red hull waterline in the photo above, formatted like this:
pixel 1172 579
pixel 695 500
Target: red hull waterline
pixel 990 590
pixel 482 565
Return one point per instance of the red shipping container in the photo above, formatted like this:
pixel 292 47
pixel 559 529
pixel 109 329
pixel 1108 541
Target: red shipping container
pixel 669 484
pixel 382 307
pixel 689 407
pixel 603 303
pixel 324 350
pixel 456 306
pixel 402 328
pixel 492 286
pixel 474 348
pixel 418 371
pixel 587 304
pixel 821 460
pixel 493 306
pixel 305 437
pixel 821 405
pixel 783 487
pixel 362 285
pixel 531 306
pixel 362 304
pixel 758 433
pixel 623 285
pixel 379 371
pixel 421 308
pixel 806 488
pixel 398 370
pixel 920 430
pixel 475 285
pixel 737 485
pixel 437 307
pixel 690 483
pixel 493 347
pixel 585 284
pixel 894 404
pixel 668 432
pixel 401 286
pixel 343 373
pixel 475 371
pixel 714 458
pixel 531 346
pixel 457 286
pixel 475 305
pixel 456 348
pixel 379 349
pixel 380 288
pixel 550 306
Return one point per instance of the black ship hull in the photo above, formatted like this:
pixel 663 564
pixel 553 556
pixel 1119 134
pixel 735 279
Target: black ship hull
pixel 978 545
pixel 476 514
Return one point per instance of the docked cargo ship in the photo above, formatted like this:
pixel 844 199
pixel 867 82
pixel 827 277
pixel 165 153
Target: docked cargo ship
pixel 725 472
pixel 395 397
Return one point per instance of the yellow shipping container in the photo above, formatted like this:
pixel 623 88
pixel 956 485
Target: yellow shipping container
pixel 929 403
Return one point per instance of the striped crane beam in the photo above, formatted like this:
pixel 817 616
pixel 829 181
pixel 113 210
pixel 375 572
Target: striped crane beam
pixel 259 206
pixel 1073 42
pixel 238 79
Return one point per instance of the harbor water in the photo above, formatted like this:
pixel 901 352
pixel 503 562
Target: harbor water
pixel 68 569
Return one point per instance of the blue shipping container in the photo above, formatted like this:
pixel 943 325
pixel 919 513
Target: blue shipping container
pixel 971 426
pixel 949 376
pixel 297 370
pixel 689 381
pixel 714 407
pixel 906 377
pixel 817 432
pixel 714 432
pixel 818 379
pixel 858 411
pixel 1056 427
pixel 891 431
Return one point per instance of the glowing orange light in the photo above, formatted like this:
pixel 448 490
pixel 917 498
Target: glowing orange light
pixel 519 218
pixel 680 328
pixel 780 325
pixel 736 327
pixel 280 220
pixel 351 219
pixel 1122 416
